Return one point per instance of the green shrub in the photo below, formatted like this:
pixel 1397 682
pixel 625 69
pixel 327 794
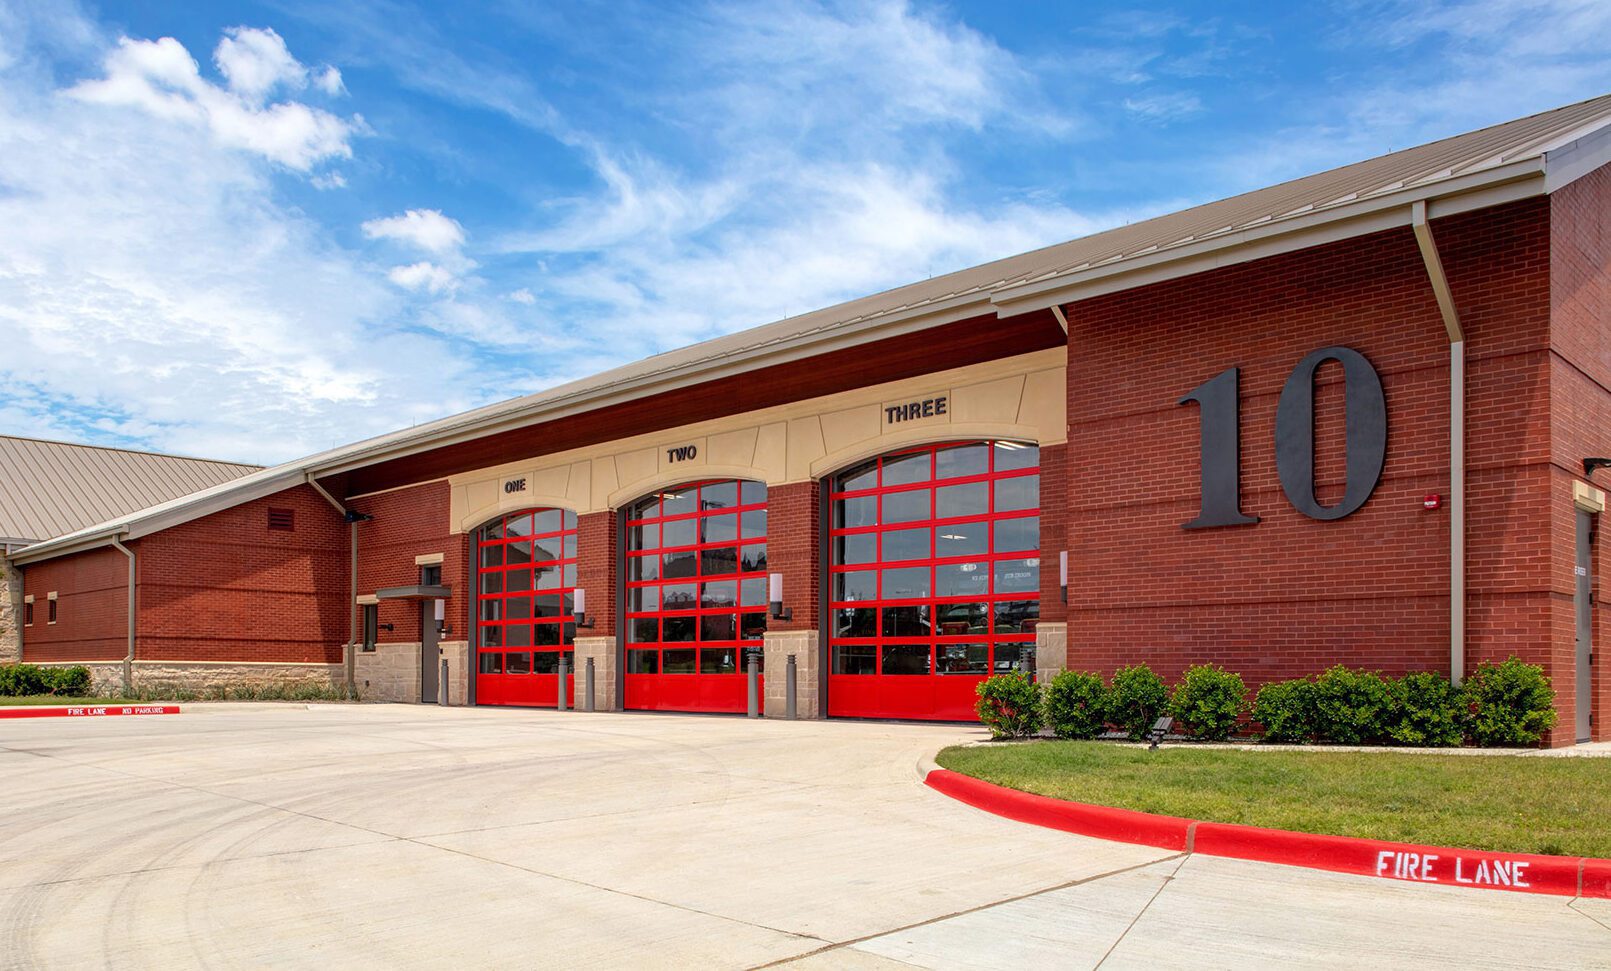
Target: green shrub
pixel 1009 705
pixel 1076 705
pixel 1136 698
pixel 1209 700
pixel 1286 709
pixel 1352 707
pixel 1426 711
pixel 1508 704
pixel 18 680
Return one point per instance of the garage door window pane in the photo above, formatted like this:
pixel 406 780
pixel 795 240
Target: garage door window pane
pixel 906 659
pixel 963 658
pixel 855 659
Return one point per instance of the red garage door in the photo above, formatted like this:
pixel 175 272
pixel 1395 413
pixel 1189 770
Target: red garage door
pixel 696 595
pixel 525 586
pixel 935 578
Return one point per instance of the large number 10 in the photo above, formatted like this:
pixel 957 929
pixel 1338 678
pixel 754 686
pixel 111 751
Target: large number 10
pixel 1219 448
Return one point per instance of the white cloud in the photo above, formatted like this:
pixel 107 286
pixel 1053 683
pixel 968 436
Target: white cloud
pixel 162 80
pixel 423 275
pixel 427 229
pixel 329 81
pixel 255 61
pixel 522 296
pixel 1165 106
pixel 153 291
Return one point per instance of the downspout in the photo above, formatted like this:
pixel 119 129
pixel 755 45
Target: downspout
pixel 128 659
pixel 1457 439
pixel 349 655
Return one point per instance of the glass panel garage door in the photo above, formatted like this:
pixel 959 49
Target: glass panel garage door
pixel 934 578
pixel 525 607
pixel 696 595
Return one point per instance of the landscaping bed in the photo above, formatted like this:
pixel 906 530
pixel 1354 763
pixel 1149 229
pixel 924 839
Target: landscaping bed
pixel 1557 806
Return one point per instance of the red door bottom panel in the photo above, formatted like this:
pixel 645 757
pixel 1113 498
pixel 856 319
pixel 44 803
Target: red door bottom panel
pixel 690 692
pixel 919 697
pixel 522 690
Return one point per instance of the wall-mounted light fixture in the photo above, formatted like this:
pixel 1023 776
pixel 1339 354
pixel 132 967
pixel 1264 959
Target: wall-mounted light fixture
pixel 1062 573
pixel 1589 465
pixel 774 588
pixel 579 607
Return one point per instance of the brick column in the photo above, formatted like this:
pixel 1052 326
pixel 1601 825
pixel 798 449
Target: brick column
pixel 596 554
pixel 794 549
pixel 1051 634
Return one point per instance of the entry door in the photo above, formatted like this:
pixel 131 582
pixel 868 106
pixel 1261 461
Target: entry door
pixel 430 653
pixel 1585 621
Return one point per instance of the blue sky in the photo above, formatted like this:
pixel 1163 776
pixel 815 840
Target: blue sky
pixel 257 230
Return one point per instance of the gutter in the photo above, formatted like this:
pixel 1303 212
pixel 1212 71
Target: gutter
pixel 128 659
pixel 1457 438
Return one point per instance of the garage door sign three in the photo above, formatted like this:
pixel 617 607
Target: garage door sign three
pixel 1219 448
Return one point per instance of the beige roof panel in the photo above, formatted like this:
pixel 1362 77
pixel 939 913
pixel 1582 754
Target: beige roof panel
pixel 48 489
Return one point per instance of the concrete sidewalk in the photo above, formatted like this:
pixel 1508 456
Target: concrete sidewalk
pixel 397 836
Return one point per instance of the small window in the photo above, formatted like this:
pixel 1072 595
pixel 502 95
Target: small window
pixel 28 614
pixel 371 625
pixel 281 520
pixel 431 575
pixel 52 614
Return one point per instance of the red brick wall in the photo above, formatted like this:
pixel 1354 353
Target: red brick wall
pixel 1580 412
pixel 793 548
pixel 1290 595
pixel 91 612
pixel 408 523
pixel 597 540
pixel 225 587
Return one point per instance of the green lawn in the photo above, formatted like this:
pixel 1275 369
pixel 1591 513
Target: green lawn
pixel 1487 802
pixel 73 701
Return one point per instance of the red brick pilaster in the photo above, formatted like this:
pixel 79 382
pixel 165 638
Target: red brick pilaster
pixel 596 551
pixel 794 531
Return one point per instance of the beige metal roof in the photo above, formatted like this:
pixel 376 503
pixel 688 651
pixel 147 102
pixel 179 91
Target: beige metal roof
pixel 50 488
pixel 1527 157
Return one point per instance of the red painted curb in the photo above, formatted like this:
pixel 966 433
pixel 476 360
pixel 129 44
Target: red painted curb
pixel 88 711
pixel 1567 876
pixel 1520 872
pixel 1122 825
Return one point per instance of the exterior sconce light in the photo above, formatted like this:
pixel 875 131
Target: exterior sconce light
pixel 580 608
pixel 774 587
pixel 1589 465
pixel 1062 573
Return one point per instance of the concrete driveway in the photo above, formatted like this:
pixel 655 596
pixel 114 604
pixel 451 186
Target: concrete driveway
pixel 388 836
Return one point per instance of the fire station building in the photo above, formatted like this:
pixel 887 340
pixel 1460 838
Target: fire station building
pixel 1351 418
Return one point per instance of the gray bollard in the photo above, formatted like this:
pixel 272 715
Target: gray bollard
pixel 587 686
pixel 442 686
pixel 564 672
pixel 789 711
pixel 753 670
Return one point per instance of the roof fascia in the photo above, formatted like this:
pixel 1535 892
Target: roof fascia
pixel 1490 187
pixel 1574 160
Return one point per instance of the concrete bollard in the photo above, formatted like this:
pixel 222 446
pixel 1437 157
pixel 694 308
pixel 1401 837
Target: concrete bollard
pixel 442 686
pixel 587 687
pixel 564 673
pixel 789 709
pixel 753 677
